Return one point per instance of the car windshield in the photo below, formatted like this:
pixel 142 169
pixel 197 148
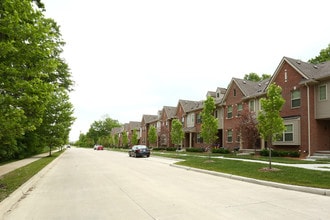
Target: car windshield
pixel 141 147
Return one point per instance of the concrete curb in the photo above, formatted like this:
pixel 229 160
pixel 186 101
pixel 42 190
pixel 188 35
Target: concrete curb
pixel 318 191
pixel 9 203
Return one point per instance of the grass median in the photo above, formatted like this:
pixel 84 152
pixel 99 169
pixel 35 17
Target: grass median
pixel 283 174
pixel 13 180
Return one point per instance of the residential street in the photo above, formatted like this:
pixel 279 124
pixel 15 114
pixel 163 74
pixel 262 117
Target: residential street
pixel 88 184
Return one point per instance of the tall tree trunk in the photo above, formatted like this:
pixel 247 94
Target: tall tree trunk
pixel 270 153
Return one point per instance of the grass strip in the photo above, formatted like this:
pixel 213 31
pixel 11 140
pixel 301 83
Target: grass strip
pixel 286 175
pixel 13 180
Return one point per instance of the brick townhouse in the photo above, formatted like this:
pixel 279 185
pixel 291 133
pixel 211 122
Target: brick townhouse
pixel 130 128
pixel 146 122
pixel 166 116
pixel 117 133
pixel 306 112
pixel 241 94
pixel 188 113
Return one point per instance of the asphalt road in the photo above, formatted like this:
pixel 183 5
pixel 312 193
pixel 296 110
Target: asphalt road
pixel 87 184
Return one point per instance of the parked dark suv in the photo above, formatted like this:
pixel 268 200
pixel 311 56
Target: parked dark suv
pixel 139 151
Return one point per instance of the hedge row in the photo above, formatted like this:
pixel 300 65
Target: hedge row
pixel 276 153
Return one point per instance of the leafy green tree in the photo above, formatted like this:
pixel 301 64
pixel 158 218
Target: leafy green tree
pixel 101 128
pixel 209 131
pixel 125 139
pixel 322 57
pixel 255 77
pixel 84 141
pixel 252 77
pixel 135 139
pixel 265 76
pixel 177 134
pixel 270 123
pixel 31 73
pixel 55 128
pixel 152 135
pixel 112 140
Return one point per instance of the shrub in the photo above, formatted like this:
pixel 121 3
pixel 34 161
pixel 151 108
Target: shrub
pixel 220 150
pixel 195 149
pixel 276 153
pixel 171 149
pixel 158 148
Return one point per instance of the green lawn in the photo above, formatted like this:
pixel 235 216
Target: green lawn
pixel 13 180
pixel 287 175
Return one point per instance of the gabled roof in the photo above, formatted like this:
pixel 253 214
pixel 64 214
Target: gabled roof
pixel 309 71
pixel 126 127
pixel 134 125
pixel 169 111
pixel 149 118
pixel 189 106
pixel 249 88
pixel 211 93
pixel 217 95
pixel 117 130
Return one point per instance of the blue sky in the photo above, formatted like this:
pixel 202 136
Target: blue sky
pixel 130 58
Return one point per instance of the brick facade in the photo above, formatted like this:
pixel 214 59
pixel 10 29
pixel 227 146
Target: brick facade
pixel 303 112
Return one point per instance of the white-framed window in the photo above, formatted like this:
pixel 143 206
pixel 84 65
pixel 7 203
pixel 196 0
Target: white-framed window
pixel 199 118
pixel 323 92
pixel 238 137
pixel 229 135
pixel 230 111
pixel 239 109
pixel 199 138
pixel 191 120
pixel 252 106
pixel 295 99
pixel 287 135
pixel 292 133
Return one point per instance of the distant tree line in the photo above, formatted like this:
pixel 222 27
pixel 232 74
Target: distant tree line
pixel 99 133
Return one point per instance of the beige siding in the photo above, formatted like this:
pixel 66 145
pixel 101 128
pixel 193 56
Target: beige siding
pixel 220 118
pixel 322 107
pixel 296 132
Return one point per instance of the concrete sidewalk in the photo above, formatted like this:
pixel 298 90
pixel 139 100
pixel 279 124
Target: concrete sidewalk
pixel 6 168
pixel 321 167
